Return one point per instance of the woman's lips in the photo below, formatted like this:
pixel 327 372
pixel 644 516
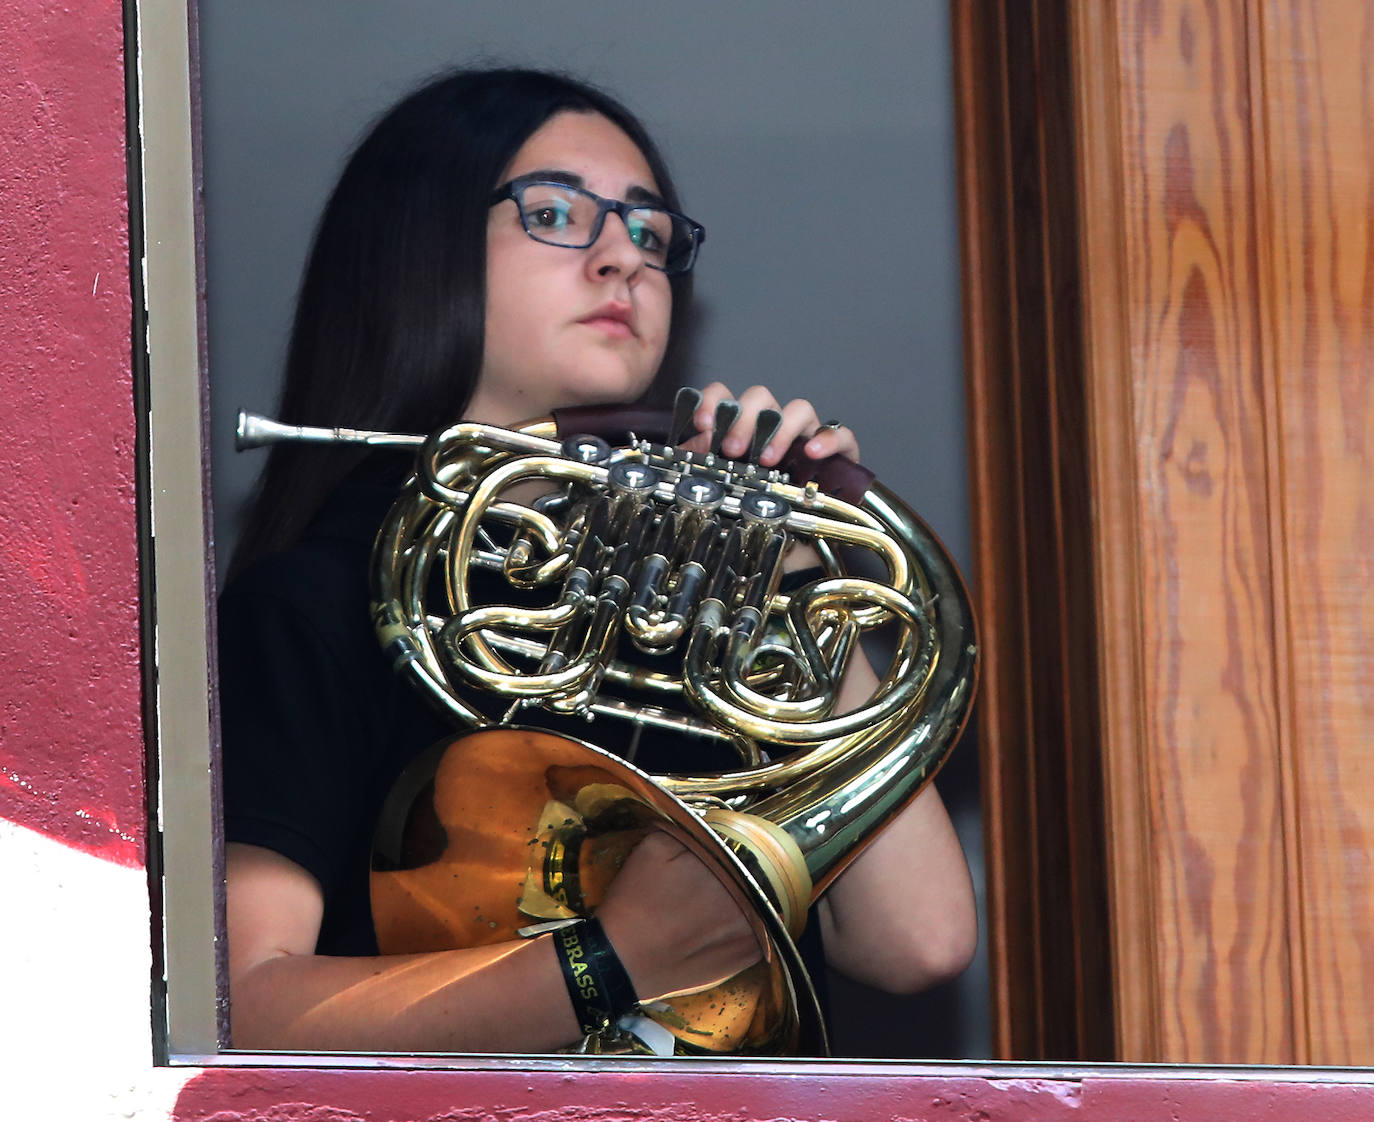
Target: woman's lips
pixel 615 320
pixel 617 328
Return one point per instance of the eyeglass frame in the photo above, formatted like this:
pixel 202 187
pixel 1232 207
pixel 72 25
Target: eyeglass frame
pixel 604 206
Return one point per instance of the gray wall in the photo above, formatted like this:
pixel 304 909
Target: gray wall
pixel 813 140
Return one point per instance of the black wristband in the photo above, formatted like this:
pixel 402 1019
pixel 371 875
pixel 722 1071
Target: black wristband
pixel 600 989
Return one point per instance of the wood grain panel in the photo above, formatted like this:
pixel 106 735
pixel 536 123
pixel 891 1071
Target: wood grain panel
pixel 1224 161
pixel 1216 913
pixel 990 362
pixel 1318 104
pixel 1041 767
pixel 1109 392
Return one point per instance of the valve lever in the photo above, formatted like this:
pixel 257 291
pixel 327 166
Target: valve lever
pixel 685 406
pixel 727 413
pixel 770 420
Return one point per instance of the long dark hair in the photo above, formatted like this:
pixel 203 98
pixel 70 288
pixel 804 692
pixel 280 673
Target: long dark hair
pixel 389 323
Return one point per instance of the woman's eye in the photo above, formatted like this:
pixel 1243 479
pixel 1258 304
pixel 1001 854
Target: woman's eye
pixel 646 237
pixel 547 217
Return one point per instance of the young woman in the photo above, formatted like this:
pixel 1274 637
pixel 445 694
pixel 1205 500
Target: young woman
pixel 436 290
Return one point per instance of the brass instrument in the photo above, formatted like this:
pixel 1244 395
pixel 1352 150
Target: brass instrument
pixel 616 540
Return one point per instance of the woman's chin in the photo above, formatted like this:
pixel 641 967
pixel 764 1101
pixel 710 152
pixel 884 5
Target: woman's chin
pixel 607 388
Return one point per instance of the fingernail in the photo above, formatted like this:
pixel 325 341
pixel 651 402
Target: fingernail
pixel 815 447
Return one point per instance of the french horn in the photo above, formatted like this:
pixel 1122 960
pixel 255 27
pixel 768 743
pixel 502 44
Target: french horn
pixel 612 542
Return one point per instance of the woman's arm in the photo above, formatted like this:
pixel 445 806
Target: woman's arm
pixel 284 996
pixel 901 917
pixel 504 998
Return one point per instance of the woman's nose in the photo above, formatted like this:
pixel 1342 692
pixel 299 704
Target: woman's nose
pixel 614 251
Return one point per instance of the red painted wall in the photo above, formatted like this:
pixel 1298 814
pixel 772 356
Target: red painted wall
pixel 70 731
pixel 71 751
pixel 670 1097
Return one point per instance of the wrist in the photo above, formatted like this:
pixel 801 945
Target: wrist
pixel 598 985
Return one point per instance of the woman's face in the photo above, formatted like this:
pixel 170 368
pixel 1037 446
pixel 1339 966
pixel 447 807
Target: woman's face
pixel 570 326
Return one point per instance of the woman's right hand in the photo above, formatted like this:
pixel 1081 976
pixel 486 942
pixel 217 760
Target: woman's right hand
pixel 799 418
pixel 674 925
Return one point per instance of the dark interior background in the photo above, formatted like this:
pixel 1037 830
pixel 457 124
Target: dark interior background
pixel 813 140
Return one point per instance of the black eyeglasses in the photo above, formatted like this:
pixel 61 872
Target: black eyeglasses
pixel 559 214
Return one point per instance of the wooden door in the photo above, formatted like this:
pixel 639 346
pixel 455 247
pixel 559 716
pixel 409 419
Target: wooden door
pixel 1169 249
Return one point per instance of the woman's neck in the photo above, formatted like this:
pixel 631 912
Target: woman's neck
pixel 504 410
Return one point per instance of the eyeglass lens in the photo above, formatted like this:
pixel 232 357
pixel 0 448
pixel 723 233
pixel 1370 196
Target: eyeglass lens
pixel 566 216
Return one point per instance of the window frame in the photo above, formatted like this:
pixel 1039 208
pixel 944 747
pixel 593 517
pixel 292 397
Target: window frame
pixel 190 1014
pixel 190 1004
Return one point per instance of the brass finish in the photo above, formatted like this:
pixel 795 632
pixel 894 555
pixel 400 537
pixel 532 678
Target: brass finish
pixel 674 554
pixel 535 826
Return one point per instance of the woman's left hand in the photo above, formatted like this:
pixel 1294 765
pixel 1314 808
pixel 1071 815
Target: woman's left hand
pixel 799 418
